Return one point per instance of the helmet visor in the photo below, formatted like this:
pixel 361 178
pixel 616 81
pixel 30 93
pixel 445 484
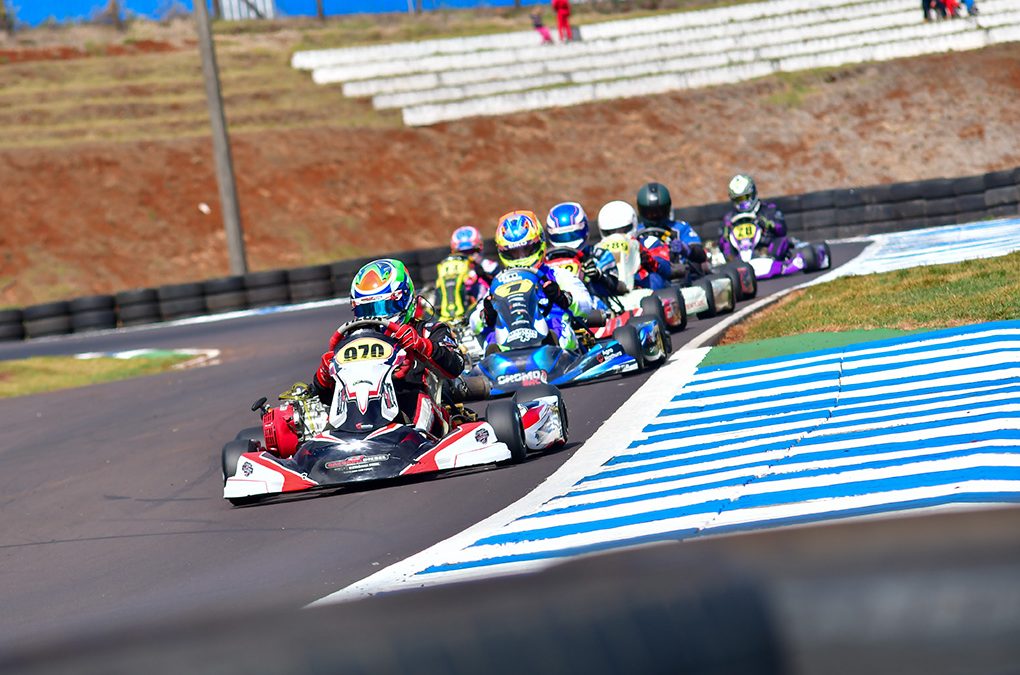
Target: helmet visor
pixel 380 309
pixel 570 238
pixel 626 228
pixel 745 202
pixel 521 252
pixel 654 213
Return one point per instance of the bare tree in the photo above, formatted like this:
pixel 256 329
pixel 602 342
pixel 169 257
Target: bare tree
pixel 319 6
pixel 6 18
pixel 217 9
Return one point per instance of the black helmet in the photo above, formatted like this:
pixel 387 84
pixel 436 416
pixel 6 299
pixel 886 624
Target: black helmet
pixel 654 205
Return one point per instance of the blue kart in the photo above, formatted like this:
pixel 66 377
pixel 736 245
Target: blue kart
pixel 523 349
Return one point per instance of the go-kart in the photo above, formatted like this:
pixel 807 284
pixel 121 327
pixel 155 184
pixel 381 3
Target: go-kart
pixel 744 234
pixel 703 297
pixel 667 303
pixel 363 435
pixel 523 351
pixel 454 303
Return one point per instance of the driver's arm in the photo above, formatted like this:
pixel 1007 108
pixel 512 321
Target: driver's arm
pixel 446 360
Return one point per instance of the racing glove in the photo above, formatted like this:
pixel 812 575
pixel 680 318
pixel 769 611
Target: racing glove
pixel 410 339
pixel 647 261
pixel 591 269
pixel 556 294
pixel 678 249
pixel 488 312
pixel 322 375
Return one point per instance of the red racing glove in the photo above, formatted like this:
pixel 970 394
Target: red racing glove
pixel 410 339
pixel 647 261
pixel 322 375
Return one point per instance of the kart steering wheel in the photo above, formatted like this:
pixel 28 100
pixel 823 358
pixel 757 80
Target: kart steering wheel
pixel 661 233
pixel 363 324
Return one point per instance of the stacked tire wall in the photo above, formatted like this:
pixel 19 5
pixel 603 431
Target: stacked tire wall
pixel 826 214
pixel 836 214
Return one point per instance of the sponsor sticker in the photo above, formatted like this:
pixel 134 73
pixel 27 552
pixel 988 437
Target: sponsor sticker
pixel 355 460
pixel 247 469
pixel 522 335
pixel 482 435
pixel 526 378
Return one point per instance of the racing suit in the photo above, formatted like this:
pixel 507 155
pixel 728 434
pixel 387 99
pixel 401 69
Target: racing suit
pixel 656 268
pixel 476 286
pixel 434 349
pixel 774 237
pixel 560 307
pixel 686 252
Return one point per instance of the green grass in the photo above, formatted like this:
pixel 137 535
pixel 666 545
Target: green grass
pixel 50 373
pixel 877 306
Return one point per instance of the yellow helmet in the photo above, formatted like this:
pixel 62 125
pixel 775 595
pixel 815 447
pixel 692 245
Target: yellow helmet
pixel 520 240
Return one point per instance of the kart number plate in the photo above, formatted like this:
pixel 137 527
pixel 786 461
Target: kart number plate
pixel 615 244
pixel 745 231
pixel 513 288
pixel 363 349
pixel 569 266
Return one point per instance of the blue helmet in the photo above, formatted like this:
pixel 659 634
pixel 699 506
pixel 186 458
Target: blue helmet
pixel 567 225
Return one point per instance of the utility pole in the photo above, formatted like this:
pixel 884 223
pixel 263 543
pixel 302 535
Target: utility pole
pixel 320 9
pixel 221 143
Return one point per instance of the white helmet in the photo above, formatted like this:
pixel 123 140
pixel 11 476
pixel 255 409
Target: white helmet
pixel 617 217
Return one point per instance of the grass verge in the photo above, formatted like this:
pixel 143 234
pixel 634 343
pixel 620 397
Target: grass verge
pixel 49 373
pixel 877 306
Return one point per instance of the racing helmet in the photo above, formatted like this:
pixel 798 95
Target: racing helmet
pixel 744 193
pixel 654 205
pixel 617 217
pixel 520 241
pixel 466 240
pixel 383 289
pixel 567 225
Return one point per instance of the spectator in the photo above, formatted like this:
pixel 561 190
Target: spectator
pixel 952 8
pixel 971 6
pixel 562 9
pixel 536 21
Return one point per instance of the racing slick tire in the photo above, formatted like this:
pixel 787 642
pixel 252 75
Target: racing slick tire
pixel 751 291
pixel 250 434
pixel 651 305
pixel 810 256
pixel 505 419
pixel 734 276
pixel 673 294
pixel 537 391
pixel 706 285
pixel 629 339
pixel 231 454
pixel 828 256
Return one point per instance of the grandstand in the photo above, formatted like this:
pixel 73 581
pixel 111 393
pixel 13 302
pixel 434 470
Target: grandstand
pixel 440 80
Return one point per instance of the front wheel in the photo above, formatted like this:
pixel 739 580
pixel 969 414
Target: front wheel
pixel 810 257
pixel 671 296
pixel 505 419
pixel 540 391
pixel 231 454
pixel 706 285
pixel 629 339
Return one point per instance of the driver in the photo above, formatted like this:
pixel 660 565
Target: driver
pixel 520 243
pixel 567 227
pixel 467 241
pixel 383 290
pixel 655 209
pixel 744 195
pixel 619 217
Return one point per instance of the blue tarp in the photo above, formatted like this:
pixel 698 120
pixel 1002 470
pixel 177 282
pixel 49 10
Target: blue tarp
pixel 34 12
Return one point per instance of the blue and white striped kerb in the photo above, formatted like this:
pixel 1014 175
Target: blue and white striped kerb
pixel 879 427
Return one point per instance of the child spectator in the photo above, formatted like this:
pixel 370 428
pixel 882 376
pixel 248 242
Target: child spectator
pixel 536 21
pixel 562 9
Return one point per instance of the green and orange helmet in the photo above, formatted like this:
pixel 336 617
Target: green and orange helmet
pixel 520 240
pixel 383 289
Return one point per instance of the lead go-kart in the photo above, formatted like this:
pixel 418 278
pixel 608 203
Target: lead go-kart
pixel 363 435
pixel 745 235
pixel 523 350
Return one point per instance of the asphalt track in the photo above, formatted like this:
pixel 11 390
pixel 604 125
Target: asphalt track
pixel 111 494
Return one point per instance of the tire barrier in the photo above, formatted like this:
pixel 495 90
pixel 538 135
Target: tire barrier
pixel 822 214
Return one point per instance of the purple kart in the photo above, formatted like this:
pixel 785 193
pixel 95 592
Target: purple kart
pixel 744 237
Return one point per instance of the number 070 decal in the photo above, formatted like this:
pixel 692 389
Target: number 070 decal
pixel 363 349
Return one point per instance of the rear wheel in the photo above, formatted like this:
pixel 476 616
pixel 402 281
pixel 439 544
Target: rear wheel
pixel 706 285
pixel 476 388
pixel 810 256
pixel 537 391
pixel 672 295
pixel 629 339
pixel 747 275
pixel 734 277
pixel 828 256
pixel 505 419
pixel 250 434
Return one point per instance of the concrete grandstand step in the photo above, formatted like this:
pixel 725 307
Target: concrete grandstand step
pixel 572 95
pixel 311 59
pixel 884 12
